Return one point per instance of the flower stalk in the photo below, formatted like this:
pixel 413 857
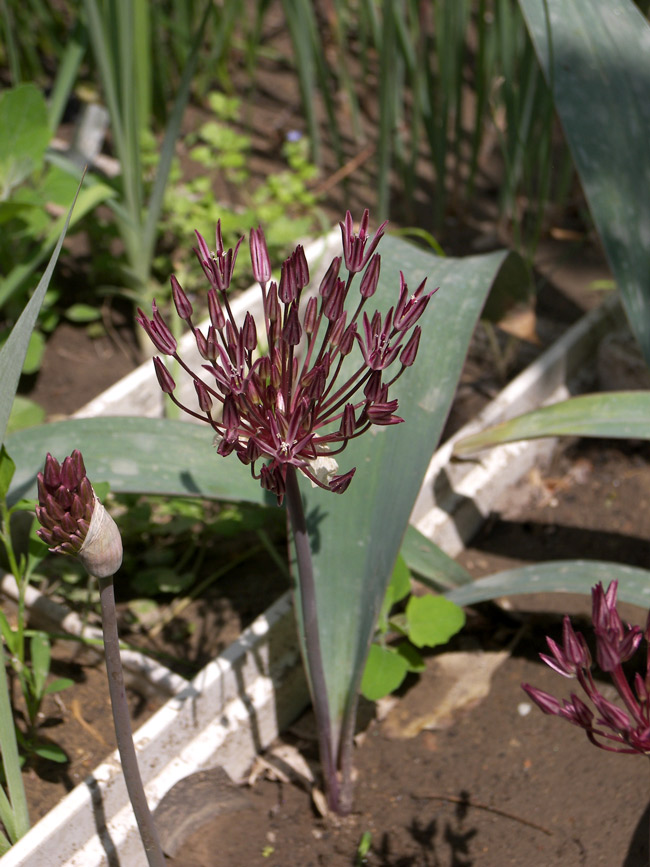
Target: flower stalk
pixel 73 521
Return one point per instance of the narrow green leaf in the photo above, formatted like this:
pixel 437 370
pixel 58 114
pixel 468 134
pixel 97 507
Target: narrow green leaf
pixel 432 620
pixel 136 455
pixel 86 200
pixel 7 470
pixel 559 576
pixel 10 758
pixel 40 656
pixel 12 354
pixel 432 566
pixel 594 54
pixel 58 685
pixel 172 131
pixel 51 752
pixel 615 415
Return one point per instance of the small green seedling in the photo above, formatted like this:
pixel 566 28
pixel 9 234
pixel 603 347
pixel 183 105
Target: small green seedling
pixel 426 621
pixel 363 849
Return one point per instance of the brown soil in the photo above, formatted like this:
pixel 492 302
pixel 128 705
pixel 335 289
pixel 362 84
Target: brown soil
pixel 499 783
pixel 78 720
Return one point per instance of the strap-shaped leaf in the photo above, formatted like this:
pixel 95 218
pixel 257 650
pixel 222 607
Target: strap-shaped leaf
pixel 356 537
pixel 559 576
pixel 616 415
pixel 135 455
pixel 12 354
pixel 595 56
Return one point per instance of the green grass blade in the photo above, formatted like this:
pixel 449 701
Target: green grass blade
pixel 19 823
pixel 560 576
pixel 12 354
pixel 86 200
pixel 155 203
pixel 616 415
pixel 66 75
pixel 432 566
pixel 595 56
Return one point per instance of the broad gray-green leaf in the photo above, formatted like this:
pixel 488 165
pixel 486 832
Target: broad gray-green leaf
pixel 560 576
pixel 356 537
pixel 135 455
pixel 13 352
pixel 430 563
pixel 595 55
pixel 616 414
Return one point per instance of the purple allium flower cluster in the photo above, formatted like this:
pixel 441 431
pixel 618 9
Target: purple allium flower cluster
pixel 285 406
pixel 611 727
pixel 66 503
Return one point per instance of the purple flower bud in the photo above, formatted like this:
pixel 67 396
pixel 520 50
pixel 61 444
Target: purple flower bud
pixel 260 256
pixel 292 332
pixel 340 484
pixel 410 351
pixel 164 377
pixel 354 246
pixel 288 288
pixel 216 313
pixel 157 331
pixel 370 277
pixel 333 305
pixel 382 413
pixel 311 312
pixel 181 301
pixel 348 422
pixel 205 400
pixel 301 267
pixel 545 702
pixel 331 275
pixel 249 333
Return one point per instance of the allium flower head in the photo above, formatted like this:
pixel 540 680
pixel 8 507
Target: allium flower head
pixel 72 519
pixel 291 405
pixel 617 729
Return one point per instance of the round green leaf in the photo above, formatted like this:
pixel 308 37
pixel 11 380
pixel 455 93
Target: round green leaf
pixel 385 670
pixel 432 620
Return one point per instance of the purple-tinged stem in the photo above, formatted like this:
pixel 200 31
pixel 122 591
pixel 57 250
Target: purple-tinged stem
pixel 314 656
pixel 122 722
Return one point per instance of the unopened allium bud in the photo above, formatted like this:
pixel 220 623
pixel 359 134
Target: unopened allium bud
pixel 72 519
